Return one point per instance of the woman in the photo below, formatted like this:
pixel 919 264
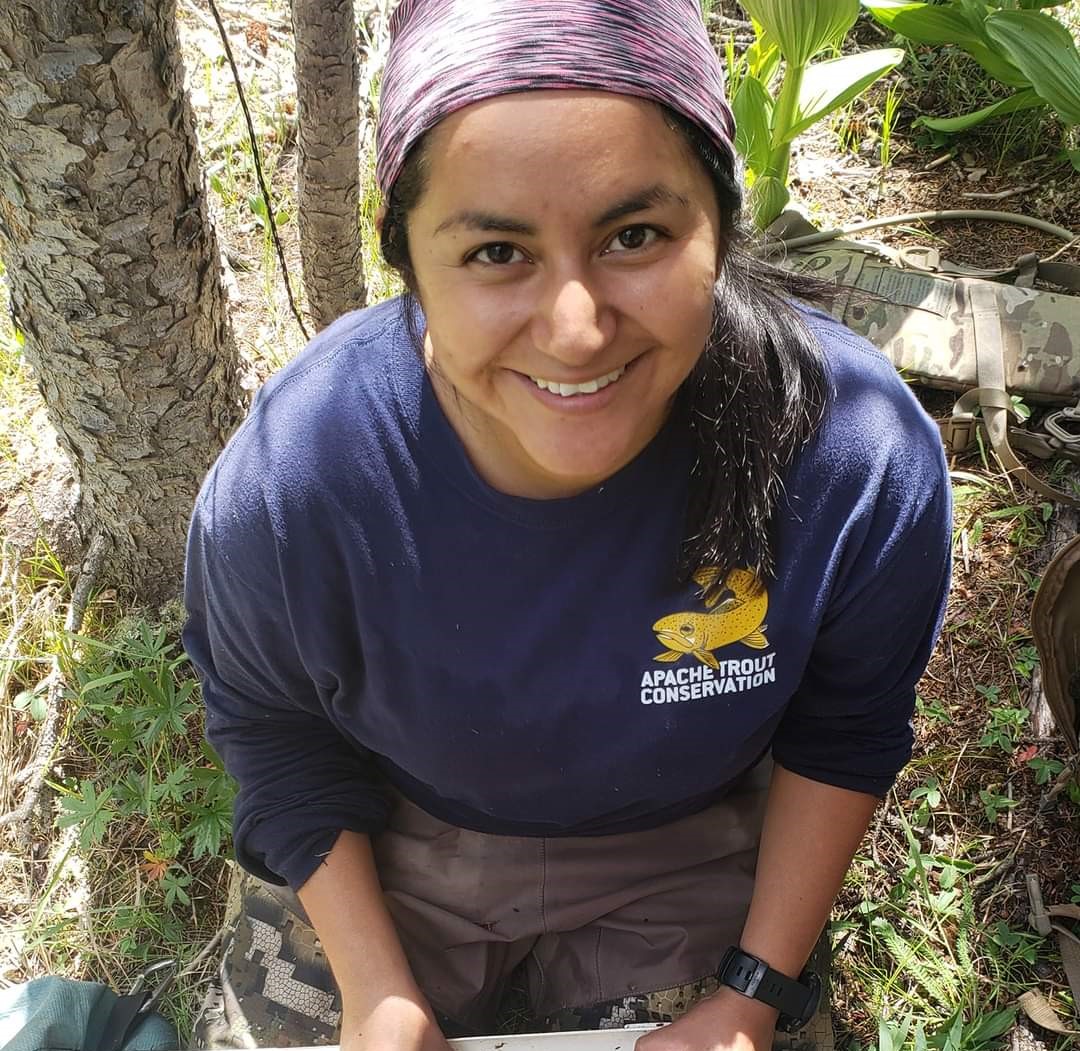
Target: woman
pixel 505 591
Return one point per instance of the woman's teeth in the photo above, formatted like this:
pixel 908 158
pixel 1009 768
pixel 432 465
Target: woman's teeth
pixel 568 390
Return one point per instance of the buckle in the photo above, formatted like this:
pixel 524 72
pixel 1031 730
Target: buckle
pixel 152 997
pixel 1058 425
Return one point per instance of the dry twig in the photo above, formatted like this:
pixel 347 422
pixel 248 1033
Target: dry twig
pixel 34 774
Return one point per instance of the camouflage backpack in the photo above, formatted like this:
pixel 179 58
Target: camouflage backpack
pixel 990 335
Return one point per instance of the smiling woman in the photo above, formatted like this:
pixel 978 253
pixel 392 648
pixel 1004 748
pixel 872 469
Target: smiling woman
pixel 560 620
pixel 612 283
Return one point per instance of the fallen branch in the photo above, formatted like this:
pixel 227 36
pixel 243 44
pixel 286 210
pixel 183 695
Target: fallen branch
pixel 1001 195
pixel 34 774
pixel 939 161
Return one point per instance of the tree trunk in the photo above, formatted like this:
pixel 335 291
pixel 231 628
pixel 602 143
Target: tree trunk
pixel 328 170
pixel 114 267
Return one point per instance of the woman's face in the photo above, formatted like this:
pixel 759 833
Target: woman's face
pixel 565 252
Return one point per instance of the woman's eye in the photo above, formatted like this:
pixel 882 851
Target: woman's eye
pixel 633 238
pixel 499 254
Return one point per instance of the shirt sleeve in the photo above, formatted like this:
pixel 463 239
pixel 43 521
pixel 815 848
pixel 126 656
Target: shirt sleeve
pixel 300 780
pixel 849 722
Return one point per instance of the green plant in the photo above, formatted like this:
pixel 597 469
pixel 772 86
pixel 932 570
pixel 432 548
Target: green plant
pixel 994 804
pixel 889 110
pixel 1004 723
pixel 935 711
pixel 137 711
pixel 1045 769
pixel 769 118
pixel 927 797
pixel 1020 945
pixel 1026 661
pixel 1014 41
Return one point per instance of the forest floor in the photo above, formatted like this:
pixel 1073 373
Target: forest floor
pixel 931 926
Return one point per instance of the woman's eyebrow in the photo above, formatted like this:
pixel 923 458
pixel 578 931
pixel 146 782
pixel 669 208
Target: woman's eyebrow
pixel 486 221
pixel 642 201
pixel 489 222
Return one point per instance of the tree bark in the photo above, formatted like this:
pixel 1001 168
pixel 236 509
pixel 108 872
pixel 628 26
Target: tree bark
pixel 328 169
pixel 114 267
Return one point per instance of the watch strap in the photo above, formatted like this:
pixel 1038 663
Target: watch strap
pixel 795 1000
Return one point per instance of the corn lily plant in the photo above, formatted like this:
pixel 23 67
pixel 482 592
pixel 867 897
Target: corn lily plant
pixel 770 110
pixel 1018 44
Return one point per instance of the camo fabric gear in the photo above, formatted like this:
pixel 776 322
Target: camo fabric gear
pixel 925 325
pixel 274 987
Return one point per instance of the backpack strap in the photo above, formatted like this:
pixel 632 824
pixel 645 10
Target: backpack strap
pixel 991 397
pixel 129 1011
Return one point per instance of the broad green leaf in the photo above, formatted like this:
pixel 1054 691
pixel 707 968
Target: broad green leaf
pixel 934 24
pixel 923 23
pixel 991 1026
pixel 975 11
pixel 829 85
pixel 763 55
pixel 1022 100
pixel 768 197
pixel 753 107
pixel 998 66
pixel 804 27
pixel 1074 158
pixel 1043 50
pixel 89 811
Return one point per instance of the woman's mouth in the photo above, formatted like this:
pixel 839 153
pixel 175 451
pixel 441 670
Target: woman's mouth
pixel 570 390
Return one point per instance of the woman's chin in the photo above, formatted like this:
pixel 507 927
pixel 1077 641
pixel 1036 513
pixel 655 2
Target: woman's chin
pixel 568 472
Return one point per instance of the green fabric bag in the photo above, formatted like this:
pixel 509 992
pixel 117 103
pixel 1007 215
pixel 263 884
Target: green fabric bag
pixel 60 1014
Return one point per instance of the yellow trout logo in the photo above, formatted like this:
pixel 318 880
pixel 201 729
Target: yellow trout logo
pixel 738 615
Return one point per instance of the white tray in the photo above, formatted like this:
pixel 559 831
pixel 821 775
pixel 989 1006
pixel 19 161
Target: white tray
pixel 596 1040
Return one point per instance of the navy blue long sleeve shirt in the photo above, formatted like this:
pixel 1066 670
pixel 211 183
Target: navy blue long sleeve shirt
pixel 364 610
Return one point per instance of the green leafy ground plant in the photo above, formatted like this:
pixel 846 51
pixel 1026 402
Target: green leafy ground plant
pixel 1015 42
pixel 773 108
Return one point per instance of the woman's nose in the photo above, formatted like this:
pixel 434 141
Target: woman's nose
pixel 574 324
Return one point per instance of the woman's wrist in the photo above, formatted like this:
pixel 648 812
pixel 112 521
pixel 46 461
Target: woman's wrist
pixel 733 1005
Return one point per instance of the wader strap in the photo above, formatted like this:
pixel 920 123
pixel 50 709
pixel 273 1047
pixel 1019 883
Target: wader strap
pixel 1042 918
pixel 1067 275
pixel 991 396
pixel 1055 628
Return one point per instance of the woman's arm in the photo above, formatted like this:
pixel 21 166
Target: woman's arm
pixel 383 1007
pixel 809 837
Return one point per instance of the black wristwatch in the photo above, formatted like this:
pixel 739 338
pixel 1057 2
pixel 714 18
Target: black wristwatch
pixel 796 1000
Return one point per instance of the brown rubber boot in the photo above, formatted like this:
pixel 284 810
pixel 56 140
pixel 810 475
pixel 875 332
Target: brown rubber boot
pixel 1055 625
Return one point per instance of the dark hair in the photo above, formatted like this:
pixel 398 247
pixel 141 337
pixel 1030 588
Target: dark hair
pixel 755 397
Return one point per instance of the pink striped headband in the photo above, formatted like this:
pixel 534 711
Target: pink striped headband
pixel 447 54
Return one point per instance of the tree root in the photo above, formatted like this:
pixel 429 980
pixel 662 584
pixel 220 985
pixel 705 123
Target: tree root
pixel 34 773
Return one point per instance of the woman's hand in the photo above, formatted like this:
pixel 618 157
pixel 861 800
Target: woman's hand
pixel 395 1024
pixel 727 1021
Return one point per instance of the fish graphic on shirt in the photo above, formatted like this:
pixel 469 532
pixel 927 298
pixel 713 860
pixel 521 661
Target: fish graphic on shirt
pixel 737 615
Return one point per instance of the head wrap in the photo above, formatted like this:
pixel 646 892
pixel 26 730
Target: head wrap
pixel 447 54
